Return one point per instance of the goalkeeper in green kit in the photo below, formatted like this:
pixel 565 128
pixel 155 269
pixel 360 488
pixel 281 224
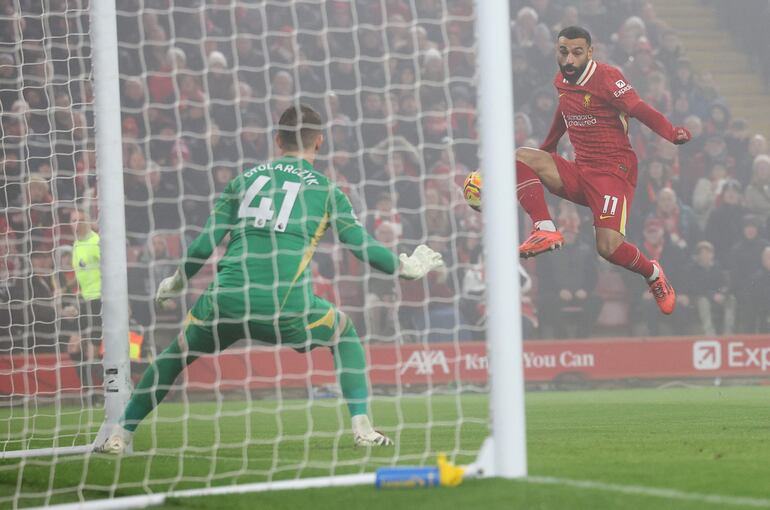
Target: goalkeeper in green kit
pixel 275 214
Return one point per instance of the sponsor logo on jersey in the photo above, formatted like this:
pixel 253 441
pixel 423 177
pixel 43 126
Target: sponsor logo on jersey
pixel 605 216
pixel 623 90
pixel 620 84
pixel 587 100
pixel 579 120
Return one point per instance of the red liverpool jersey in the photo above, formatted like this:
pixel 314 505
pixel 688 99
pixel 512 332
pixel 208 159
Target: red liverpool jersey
pixel 596 111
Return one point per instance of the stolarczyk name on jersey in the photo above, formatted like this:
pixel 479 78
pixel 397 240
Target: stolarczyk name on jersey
pixel 303 174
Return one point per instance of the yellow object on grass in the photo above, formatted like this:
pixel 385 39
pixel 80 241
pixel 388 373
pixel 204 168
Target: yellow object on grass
pixel 449 474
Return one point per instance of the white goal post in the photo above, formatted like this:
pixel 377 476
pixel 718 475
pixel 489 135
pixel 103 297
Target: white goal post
pixel 433 356
pixel 506 367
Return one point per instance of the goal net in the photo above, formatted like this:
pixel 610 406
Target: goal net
pixel 202 84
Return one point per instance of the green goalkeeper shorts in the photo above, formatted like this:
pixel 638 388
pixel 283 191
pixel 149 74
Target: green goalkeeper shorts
pixel 207 331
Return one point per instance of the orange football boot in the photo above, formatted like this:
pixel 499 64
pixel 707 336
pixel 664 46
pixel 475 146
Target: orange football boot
pixel 663 292
pixel 540 241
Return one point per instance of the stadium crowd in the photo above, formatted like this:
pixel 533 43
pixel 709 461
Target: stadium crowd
pixel 202 84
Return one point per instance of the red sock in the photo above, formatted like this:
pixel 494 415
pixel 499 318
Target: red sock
pixel 629 256
pixel 529 189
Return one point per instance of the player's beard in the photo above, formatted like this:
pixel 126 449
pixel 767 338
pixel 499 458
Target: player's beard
pixel 572 78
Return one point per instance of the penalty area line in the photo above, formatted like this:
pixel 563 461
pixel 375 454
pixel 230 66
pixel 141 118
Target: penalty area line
pixel 715 499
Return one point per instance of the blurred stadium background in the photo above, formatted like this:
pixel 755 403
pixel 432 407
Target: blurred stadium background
pixel 201 85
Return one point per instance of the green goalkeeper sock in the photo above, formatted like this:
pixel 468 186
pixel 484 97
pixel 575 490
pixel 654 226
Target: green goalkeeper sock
pixel 350 363
pixel 154 386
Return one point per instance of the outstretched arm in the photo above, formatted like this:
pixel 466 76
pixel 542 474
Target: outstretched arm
pixel 558 128
pixel 367 249
pixel 657 122
pixel 218 225
pixel 625 98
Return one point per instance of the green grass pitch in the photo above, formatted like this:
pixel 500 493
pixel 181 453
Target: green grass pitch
pixel 675 448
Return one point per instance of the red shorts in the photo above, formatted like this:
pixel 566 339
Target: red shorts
pixel 607 189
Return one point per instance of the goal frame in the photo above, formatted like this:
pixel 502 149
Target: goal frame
pixel 503 454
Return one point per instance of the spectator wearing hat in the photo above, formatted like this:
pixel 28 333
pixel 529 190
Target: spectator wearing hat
pixel 570 17
pixel 698 166
pixel 624 40
pixel 670 51
pixel 523 29
pixel 655 27
pixel 684 81
pixel 656 92
pixel 744 165
pixel 656 177
pixel 540 109
pixel 548 11
pixel 706 192
pixel 695 146
pixel 757 196
pixel 658 243
pixel 381 299
pixel 9 81
pixel 717 122
pixel 744 261
pixel 540 54
pixel 639 68
pixel 724 225
pixel 759 317
pixel 679 221
pixel 566 290
pixel 714 304
pixel 738 137
pixel 681 110
pixel 525 77
pixel 595 15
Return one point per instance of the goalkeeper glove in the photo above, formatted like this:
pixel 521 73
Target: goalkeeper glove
pixel 170 287
pixel 419 263
pixel 681 135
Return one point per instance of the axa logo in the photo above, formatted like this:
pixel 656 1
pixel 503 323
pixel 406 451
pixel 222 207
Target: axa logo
pixel 425 362
pixel 707 355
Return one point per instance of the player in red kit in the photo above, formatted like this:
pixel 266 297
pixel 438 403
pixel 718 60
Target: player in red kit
pixel 595 105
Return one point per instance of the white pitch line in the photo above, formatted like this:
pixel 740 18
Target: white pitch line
pixel 715 499
pixel 143 501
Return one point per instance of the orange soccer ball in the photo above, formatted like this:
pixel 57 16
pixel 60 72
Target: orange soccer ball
pixel 472 190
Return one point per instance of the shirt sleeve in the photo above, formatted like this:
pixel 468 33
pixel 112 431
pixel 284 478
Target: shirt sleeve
pixel 219 224
pixel 558 128
pixel 654 120
pixel 619 92
pixel 354 236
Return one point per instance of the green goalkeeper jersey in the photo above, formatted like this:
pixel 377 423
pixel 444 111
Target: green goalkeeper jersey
pixel 275 214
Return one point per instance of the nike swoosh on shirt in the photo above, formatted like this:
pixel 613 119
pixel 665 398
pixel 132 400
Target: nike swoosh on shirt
pixel 563 93
pixel 603 217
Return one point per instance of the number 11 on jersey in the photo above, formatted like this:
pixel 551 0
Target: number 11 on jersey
pixel 610 205
pixel 264 211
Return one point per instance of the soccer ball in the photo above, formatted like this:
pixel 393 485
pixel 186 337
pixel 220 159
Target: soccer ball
pixel 472 190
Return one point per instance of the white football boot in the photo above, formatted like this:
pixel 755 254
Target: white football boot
pixel 365 435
